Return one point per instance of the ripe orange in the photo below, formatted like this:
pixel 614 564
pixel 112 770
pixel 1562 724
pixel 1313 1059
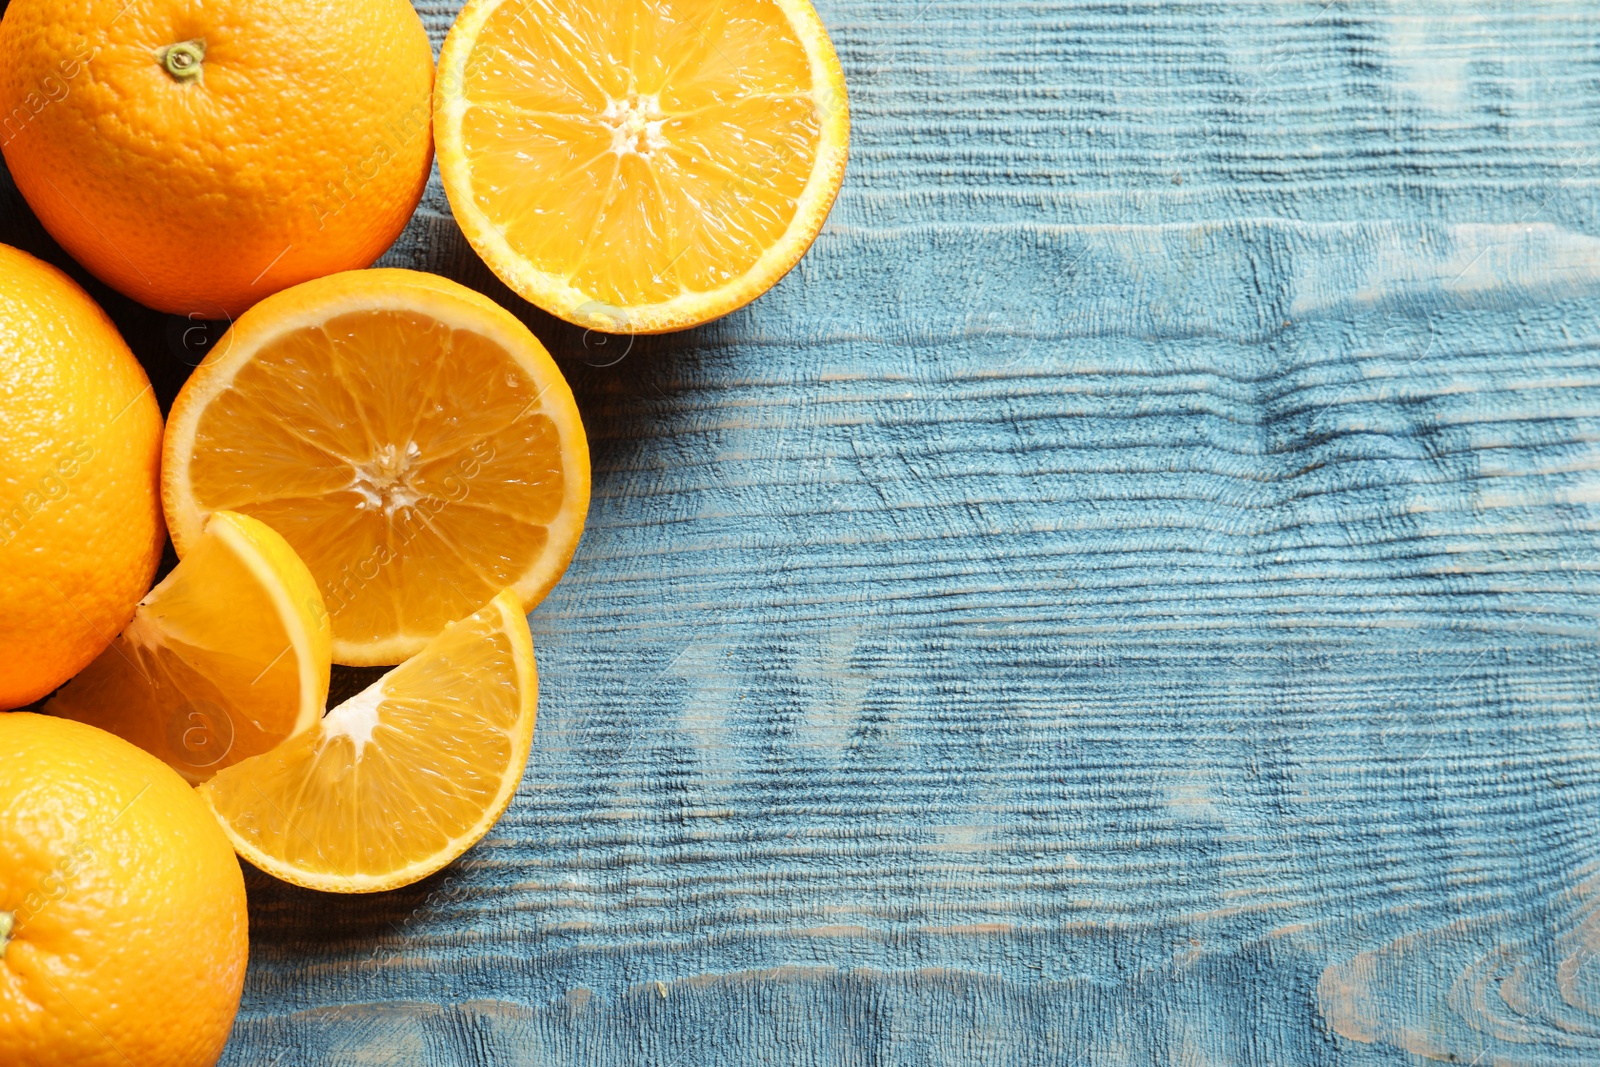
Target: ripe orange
pixel 227 657
pixel 80 445
pixel 412 441
pixel 198 157
pixel 640 167
pixel 122 914
pixel 401 778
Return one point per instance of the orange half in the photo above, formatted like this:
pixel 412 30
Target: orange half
pixel 411 440
pixel 642 165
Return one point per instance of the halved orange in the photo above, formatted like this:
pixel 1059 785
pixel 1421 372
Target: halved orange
pixel 412 440
pixel 401 778
pixel 643 165
pixel 225 658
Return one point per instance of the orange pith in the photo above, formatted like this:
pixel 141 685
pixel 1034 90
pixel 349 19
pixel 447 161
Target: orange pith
pixel 645 165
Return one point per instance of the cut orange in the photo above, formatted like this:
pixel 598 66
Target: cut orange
pixel 413 441
pixel 644 165
pixel 401 778
pixel 225 658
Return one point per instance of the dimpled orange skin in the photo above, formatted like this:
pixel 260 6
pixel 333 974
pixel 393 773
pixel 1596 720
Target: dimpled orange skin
pixel 129 931
pixel 80 456
pixel 300 150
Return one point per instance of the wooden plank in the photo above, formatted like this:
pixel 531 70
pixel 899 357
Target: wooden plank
pixel 1128 597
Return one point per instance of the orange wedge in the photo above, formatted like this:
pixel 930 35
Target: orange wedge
pixel 226 657
pixel 640 166
pixel 412 440
pixel 401 778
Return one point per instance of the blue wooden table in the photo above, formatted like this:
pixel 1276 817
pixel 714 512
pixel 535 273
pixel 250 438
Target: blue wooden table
pixel 1128 597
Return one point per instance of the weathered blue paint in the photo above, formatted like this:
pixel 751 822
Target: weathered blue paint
pixel 1127 598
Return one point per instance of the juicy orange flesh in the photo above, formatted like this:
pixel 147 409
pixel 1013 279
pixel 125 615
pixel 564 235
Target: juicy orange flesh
pixel 203 677
pixel 408 463
pixel 641 149
pixel 395 774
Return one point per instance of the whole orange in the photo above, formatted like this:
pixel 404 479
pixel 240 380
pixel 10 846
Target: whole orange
pixel 80 458
pixel 199 156
pixel 123 931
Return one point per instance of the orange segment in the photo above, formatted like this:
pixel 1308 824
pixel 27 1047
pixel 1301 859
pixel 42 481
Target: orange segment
pixel 413 441
pixel 401 778
pixel 225 658
pixel 640 166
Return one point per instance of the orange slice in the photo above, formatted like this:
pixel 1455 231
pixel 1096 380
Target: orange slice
pixel 412 440
pixel 226 657
pixel 643 165
pixel 401 778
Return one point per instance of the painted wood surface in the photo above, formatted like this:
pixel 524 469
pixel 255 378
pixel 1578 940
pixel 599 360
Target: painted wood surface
pixel 1128 597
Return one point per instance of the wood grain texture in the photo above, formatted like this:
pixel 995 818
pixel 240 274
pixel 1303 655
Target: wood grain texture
pixel 1128 597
